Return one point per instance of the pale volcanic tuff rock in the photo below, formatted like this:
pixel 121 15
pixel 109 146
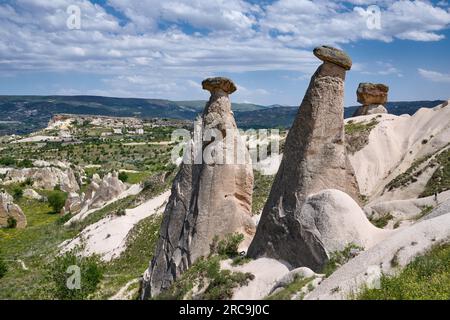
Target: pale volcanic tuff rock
pixel 8 209
pixel 207 200
pixel 315 159
pixel 99 192
pixel 45 178
pixel 31 194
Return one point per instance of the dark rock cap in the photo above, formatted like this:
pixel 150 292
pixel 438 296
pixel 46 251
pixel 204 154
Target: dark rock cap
pixel 333 55
pixel 372 93
pixel 224 84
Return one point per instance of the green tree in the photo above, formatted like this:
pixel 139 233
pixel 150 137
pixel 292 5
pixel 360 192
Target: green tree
pixel 123 176
pixel 7 161
pixel 56 200
pixel 65 266
pixel 17 193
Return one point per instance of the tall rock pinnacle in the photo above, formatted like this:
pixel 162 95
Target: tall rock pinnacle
pixel 210 199
pixel 315 159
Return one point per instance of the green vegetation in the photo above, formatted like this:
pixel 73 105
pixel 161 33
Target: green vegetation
pixel 17 193
pixel 11 223
pixel 227 247
pixel 62 272
pixel 7 161
pixel 440 181
pixel 339 258
pixel 132 263
pixel 357 134
pixel 425 211
pixel 206 276
pixel 34 245
pixel 290 290
pixel 3 267
pixel 123 176
pixel 382 221
pixel 426 278
pixel 56 200
pixel 410 175
pixel 206 273
pixel 261 190
pixel 353 127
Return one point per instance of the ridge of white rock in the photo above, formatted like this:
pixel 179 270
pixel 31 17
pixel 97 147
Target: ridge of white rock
pixel 86 211
pixel 108 236
pixel 44 178
pixel 267 273
pixel 367 268
pixel 394 144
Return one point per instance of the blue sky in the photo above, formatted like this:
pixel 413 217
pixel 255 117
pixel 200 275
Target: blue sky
pixel 164 49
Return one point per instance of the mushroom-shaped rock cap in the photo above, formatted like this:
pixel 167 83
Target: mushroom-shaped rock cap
pixel 372 93
pixel 333 55
pixel 219 83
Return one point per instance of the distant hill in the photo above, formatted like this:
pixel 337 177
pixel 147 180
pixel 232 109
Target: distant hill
pixel 25 114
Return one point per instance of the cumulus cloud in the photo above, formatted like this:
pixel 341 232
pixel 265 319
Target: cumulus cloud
pixel 435 76
pixel 153 47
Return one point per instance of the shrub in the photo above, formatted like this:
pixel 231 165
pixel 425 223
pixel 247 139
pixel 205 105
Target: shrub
pixel 339 258
pixel 227 247
pixel 56 200
pixel 91 272
pixel 3 267
pixel 26 163
pixel 426 278
pixel 7 161
pixel 17 193
pixel 214 283
pixel 11 223
pixel 382 221
pixel 123 176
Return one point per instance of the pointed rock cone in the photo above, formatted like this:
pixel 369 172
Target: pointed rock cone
pixel 209 199
pixel 315 159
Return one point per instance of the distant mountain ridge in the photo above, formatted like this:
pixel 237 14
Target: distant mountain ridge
pixel 25 114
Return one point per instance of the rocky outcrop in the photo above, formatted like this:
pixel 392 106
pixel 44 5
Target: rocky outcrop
pixel 9 210
pixel 44 178
pixel 31 194
pixel 314 159
pixel 386 258
pixel 73 203
pixel 207 200
pixel 98 193
pixel 373 97
pixel 333 220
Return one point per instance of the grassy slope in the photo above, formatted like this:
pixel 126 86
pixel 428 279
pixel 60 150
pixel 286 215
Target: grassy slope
pixel 426 278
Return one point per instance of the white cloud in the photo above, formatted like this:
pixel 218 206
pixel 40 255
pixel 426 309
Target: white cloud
pixel 435 76
pixel 165 44
pixel 381 68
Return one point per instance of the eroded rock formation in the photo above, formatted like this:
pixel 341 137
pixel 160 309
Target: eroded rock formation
pixel 9 210
pixel 45 178
pixel 99 192
pixel 315 159
pixel 373 97
pixel 207 200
